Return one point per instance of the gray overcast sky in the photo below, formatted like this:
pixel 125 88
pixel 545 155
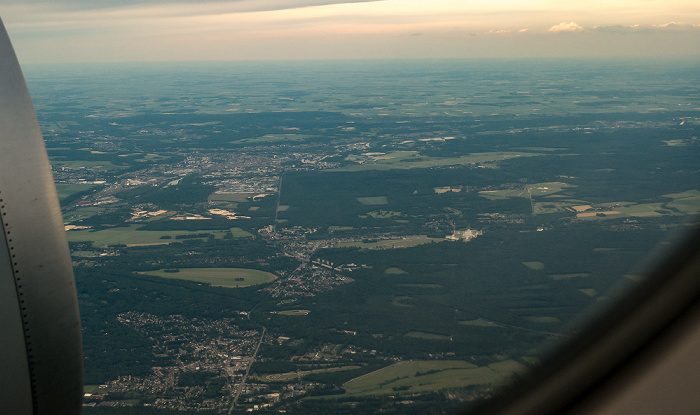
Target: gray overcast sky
pixel 175 30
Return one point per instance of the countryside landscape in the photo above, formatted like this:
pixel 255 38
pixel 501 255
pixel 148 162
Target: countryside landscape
pixel 360 237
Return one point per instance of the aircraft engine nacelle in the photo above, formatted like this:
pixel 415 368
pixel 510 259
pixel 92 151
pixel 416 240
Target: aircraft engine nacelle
pixel 40 344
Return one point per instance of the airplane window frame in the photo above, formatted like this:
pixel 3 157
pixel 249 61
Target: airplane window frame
pixel 616 340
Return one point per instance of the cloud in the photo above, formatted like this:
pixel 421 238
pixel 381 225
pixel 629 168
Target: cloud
pixel 506 31
pixel 231 6
pixel 566 27
pixel 617 28
pixel 638 28
pixel 499 31
pixel 676 26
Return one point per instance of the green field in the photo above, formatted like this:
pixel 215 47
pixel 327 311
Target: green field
pixel 683 203
pixel 131 236
pixel 642 209
pixel 426 336
pixel 538 149
pixel 430 375
pixel 688 194
pixel 293 312
pixel 66 189
pixel 373 200
pixel 218 277
pixel 420 285
pixel 276 377
pixel 546 189
pixel 152 157
pixel 503 194
pixel 332 229
pixel 82 213
pixel 507 367
pixel 569 276
pixel 85 254
pixel 539 208
pixel 534 265
pixel 591 292
pixel 530 190
pixel 83 164
pixel 479 322
pixel 274 138
pixel 240 233
pixel 542 319
pixel 413 160
pixel 687 202
pixel 400 301
pixel 686 206
pixel 383 214
pixel 230 197
pixel 391 243
pixel 679 206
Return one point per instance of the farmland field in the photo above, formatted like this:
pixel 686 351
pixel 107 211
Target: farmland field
pixel 427 336
pixel 424 375
pixel 534 265
pixel 391 243
pixel 293 312
pixel 230 197
pixel 67 189
pixel 276 377
pixel 240 233
pixel 542 319
pixel 479 322
pixel 82 213
pixel 419 285
pixel 414 161
pixel 82 164
pixel 568 276
pixel 274 138
pixel 374 200
pixel 534 190
pixel 218 277
pixel 131 236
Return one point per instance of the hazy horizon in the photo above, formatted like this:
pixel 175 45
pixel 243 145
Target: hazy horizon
pixel 240 30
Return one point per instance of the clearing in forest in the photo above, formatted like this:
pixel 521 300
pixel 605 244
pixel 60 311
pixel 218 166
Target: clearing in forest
pixel 218 277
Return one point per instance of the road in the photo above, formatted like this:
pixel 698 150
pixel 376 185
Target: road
pixel 247 372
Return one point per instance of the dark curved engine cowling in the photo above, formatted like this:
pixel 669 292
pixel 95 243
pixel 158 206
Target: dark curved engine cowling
pixel 41 369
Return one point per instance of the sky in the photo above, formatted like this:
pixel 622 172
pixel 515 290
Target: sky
pixel 56 31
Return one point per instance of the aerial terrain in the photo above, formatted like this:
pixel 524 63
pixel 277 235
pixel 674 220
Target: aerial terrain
pixel 355 236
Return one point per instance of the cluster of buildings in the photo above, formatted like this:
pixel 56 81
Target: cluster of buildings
pixel 210 359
